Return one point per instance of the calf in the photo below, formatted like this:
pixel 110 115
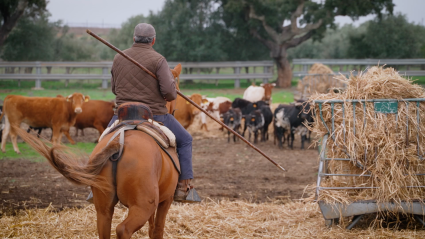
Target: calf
pixel 281 124
pixel 255 123
pixel 57 113
pixel 246 108
pixel 232 118
pixel 96 114
pixel 298 114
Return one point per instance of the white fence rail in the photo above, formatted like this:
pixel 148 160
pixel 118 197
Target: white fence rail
pixel 101 70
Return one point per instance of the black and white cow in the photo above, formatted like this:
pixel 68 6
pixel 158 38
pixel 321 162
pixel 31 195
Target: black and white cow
pixel 281 124
pixel 258 122
pixel 233 118
pixel 296 114
pixel 247 108
pixel 35 129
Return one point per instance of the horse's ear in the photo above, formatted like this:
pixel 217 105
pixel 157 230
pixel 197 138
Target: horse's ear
pixel 177 70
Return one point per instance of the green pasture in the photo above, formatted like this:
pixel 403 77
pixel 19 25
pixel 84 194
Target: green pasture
pixel 28 153
pixel 91 87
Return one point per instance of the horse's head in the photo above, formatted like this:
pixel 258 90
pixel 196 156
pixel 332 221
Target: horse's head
pixel 176 73
pixel 171 105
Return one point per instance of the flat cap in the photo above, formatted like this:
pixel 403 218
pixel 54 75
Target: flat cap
pixel 144 30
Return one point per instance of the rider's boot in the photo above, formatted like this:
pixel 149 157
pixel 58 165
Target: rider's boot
pixel 185 192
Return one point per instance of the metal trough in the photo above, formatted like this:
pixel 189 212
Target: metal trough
pixel 333 212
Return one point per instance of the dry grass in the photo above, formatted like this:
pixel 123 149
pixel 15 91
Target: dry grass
pixel 383 146
pixel 318 84
pixel 208 219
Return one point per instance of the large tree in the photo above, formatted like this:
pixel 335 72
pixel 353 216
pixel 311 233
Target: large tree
pixel 283 24
pixel 12 10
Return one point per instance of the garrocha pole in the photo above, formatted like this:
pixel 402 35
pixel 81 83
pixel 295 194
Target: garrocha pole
pixel 184 97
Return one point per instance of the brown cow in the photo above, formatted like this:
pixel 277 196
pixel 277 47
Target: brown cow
pixel 56 113
pixel 185 111
pixel 96 114
pixel 217 107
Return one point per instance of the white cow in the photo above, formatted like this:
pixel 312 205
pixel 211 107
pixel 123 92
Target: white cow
pixel 256 93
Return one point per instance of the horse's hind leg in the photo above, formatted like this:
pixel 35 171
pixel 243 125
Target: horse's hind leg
pixel 104 203
pixel 137 217
pixel 161 214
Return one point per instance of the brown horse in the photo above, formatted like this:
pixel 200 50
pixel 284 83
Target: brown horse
pixel 145 180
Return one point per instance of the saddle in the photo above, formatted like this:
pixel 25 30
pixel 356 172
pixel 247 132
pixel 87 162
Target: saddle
pixel 140 116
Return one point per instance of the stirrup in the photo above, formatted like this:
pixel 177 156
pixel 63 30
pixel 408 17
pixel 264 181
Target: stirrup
pixel 191 197
pixel 90 197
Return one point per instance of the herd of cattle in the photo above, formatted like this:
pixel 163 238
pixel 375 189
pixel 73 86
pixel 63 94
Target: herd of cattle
pixel 254 109
pixel 61 113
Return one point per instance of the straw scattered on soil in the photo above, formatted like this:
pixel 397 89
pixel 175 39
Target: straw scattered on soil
pixel 379 144
pixel 321 82
pixel 208 219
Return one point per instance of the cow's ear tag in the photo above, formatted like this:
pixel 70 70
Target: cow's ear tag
pixel 253 119
pixel 231 118
pixel 86 100
pixel 255 105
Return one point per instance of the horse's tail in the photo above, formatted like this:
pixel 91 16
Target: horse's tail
pixel 76 168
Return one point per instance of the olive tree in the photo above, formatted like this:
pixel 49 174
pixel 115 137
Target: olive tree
pixel 283 24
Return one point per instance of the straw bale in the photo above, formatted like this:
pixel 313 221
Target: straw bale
pixel 318 84
pixel 379 146
pixel 208 219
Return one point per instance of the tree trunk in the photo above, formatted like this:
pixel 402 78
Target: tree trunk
pixel 11 21
pixel 284 72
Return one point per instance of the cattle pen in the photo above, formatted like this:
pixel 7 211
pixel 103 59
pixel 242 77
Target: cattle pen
pixel 243 195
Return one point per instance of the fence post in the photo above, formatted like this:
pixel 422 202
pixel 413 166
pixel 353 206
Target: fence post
pixel 305 68
pixel 38 77
pixel 266 70
pixel 237 70
pixel 104 79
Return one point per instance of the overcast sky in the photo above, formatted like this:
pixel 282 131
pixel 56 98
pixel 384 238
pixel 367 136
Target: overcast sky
pixel 111 13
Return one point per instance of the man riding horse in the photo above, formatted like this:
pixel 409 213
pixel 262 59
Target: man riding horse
pixel 131 84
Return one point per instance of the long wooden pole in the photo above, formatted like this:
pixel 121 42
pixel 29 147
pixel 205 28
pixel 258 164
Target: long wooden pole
pixel 184 97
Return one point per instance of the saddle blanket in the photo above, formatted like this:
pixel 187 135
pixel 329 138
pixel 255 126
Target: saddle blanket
pixel 150 127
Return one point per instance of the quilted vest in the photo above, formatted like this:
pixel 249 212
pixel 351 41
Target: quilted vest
pixel 132 84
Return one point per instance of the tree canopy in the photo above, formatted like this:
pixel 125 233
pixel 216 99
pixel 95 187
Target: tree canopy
pixel 283 24
pixel 392 36
pixel 31 40
pixel 12 10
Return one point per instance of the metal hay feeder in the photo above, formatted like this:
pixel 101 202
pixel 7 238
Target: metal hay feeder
pixel 332 212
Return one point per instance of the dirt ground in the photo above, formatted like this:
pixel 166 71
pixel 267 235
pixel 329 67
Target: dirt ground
pixel 222 170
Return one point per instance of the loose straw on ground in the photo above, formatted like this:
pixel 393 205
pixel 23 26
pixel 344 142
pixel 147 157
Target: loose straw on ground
pixel 209 219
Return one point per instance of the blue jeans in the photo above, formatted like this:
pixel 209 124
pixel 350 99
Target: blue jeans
pixel 183 140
